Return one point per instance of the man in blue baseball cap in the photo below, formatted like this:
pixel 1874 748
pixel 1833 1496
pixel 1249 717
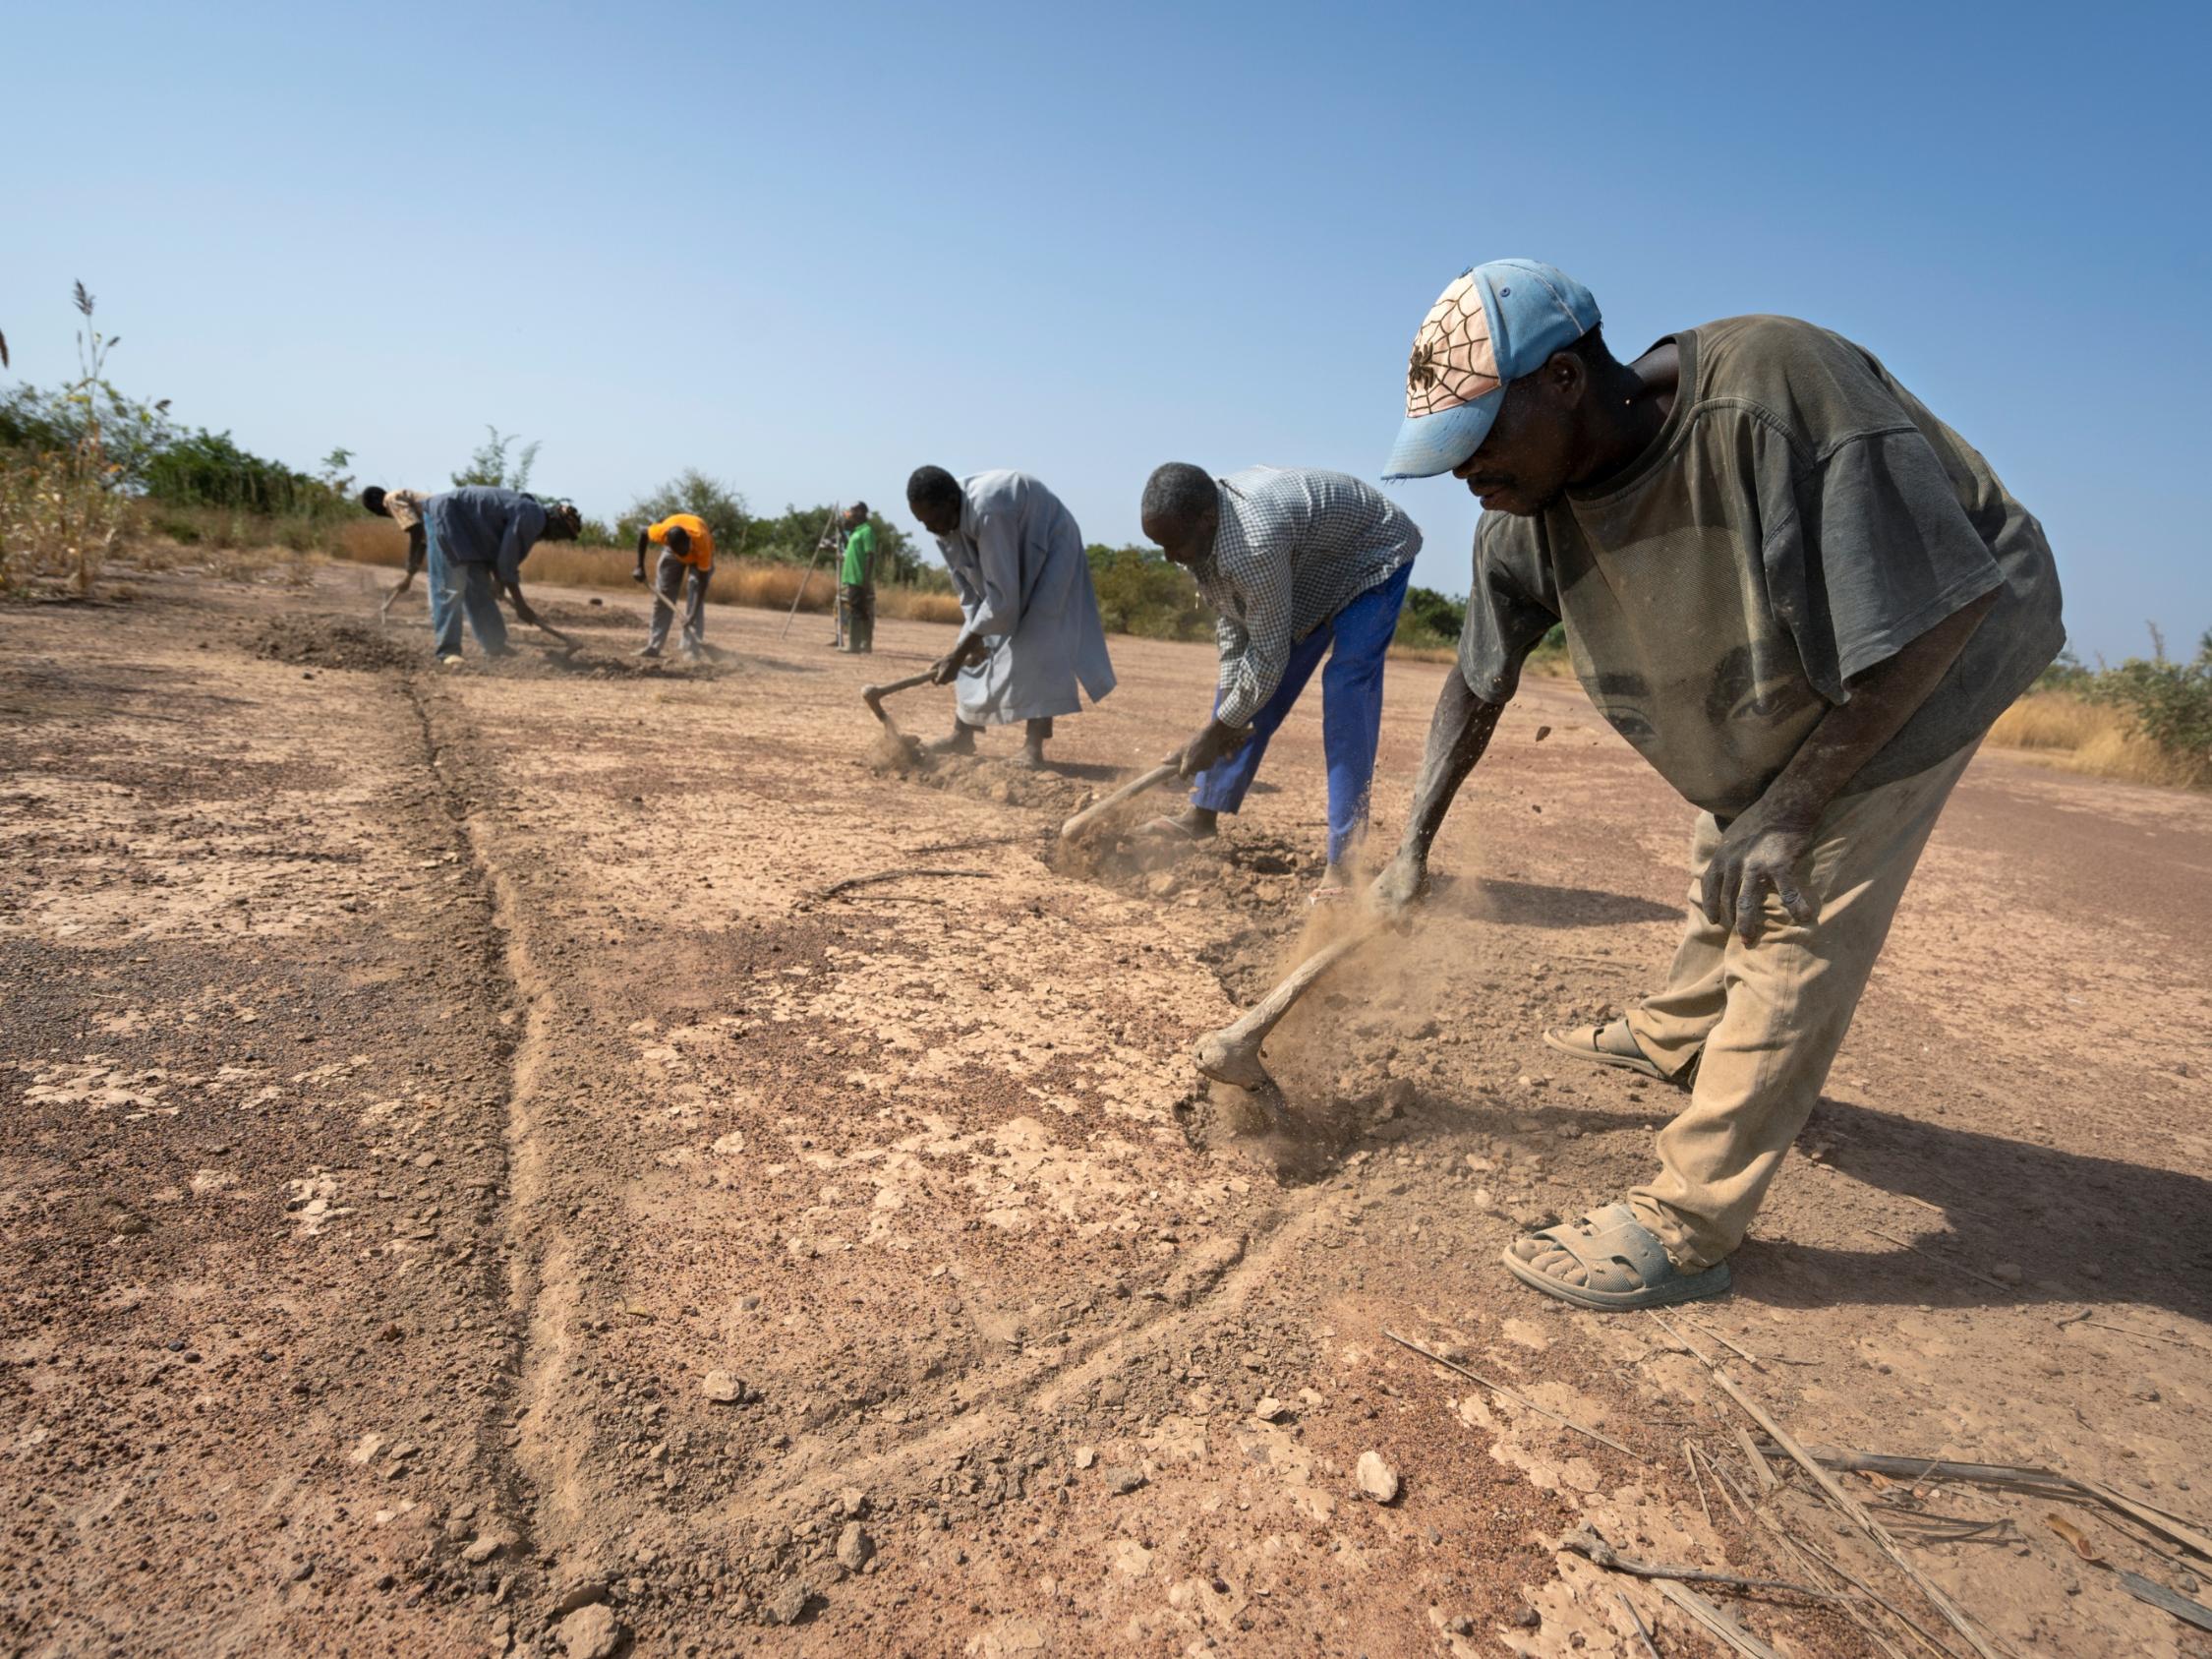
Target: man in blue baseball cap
pixel 1803 599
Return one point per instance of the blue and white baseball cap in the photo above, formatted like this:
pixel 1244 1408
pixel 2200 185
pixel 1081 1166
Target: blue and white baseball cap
pixel 1495 323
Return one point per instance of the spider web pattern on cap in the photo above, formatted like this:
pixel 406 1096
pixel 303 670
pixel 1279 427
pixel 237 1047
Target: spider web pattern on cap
pixel 1452 362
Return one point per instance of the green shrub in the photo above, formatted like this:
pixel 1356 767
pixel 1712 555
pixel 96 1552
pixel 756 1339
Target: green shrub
pixel 1431 620
pixel 2168 702
pixel 1141 591
pixel 499 463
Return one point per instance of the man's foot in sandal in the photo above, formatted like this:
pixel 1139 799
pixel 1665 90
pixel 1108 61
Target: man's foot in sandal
pixel 1612 1045
pixel 1611 1261
pixel 1192 823
pixel 1333 889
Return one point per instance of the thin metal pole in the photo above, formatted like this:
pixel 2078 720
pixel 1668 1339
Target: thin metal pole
pixel 820 542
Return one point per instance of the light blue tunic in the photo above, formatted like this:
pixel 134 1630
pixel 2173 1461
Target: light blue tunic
pixel 1017 566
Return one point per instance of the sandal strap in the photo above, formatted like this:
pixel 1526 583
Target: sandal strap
pixel 1613 1237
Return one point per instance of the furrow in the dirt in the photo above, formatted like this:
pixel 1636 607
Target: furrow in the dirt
pixel 513 1277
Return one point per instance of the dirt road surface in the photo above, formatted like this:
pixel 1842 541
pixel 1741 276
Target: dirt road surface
pixel 470 1187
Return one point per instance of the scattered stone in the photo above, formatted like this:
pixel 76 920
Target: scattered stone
pixel 2008 1273
pixel 1269 1409
pixel 1541 733
pixel 1124 1478
pixel 591 1632
pixel 853 1500
pixel 483 1550
pixel 1378 1479
pixel 726 1387
pixel 854 1547
pixel 581 1592
pixel 1085 1455
pixel 1128 1558
pixel 787 1605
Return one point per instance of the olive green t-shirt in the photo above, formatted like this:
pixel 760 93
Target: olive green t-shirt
pixel 1799 519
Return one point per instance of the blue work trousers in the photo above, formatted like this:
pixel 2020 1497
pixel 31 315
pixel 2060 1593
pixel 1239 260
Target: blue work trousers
pixel 455 589
pixel 1351 712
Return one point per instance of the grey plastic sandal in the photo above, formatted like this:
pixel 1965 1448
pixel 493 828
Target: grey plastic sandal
pixel 1623 1264
pixel 1612 1045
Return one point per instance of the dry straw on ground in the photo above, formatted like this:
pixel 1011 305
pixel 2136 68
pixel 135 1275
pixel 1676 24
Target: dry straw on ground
pixel 2058 728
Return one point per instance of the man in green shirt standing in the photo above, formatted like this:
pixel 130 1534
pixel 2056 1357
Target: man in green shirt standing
pixel 1803 599
pixel 856 581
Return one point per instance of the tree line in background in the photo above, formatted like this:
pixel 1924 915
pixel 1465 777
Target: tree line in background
pixel 86 465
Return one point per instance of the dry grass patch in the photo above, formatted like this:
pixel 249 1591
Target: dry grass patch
pixel 2061 730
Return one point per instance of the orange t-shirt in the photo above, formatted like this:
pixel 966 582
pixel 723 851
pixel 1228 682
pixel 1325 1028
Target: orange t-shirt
pixel 702 555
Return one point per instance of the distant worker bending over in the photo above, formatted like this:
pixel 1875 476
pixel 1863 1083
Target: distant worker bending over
pixel 477 537
pixel 1297 565
pixel 856 581
pixel 404 508
pixel 1803 599
pixel 686 566
pixel 1032 633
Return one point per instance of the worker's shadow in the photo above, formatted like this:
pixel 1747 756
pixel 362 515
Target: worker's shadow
pixel 1531 904
pixel 2079 1227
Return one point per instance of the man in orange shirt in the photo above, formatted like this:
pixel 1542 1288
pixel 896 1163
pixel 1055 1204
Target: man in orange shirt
pixel 686 545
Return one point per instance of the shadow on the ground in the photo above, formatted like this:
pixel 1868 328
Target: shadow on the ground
pixel 2080 1227
pixel 1532 903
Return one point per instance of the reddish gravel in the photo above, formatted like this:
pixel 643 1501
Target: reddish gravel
pixel 471 1186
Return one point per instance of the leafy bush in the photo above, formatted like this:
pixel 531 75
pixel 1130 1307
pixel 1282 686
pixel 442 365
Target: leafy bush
pixel 497 463
pixel 58 518
pixel 62 502
pixel 1431 620
pixel 1141 591
pixel 2065 674
pixel 2168 702
pixel 209 469
pixel 695 492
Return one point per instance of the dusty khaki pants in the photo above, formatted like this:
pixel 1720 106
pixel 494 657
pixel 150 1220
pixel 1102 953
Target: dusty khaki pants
pixel 1767 1019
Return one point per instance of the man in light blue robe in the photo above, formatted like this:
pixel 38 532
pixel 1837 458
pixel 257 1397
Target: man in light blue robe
pixel 1032 634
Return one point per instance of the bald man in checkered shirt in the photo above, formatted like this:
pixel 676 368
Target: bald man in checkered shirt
pixel 1300 564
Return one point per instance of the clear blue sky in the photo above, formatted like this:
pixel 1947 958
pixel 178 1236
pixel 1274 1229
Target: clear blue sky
pixel 808 246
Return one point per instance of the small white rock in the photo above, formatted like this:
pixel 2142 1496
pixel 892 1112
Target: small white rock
pixel 1378 1479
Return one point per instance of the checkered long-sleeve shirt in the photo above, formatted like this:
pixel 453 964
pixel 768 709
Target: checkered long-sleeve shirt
pixel 1296 546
